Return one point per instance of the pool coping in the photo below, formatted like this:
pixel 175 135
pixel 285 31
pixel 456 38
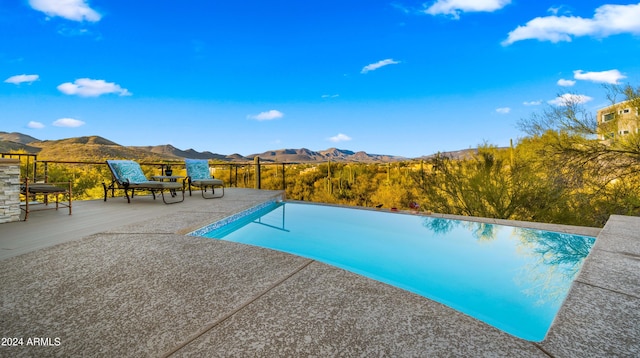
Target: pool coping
pixel 201 232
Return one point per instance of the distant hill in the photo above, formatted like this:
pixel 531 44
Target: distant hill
pixel 334 154
pixel 95 140
pixel 170 151
pixel 17 141
pixel 92 148
pixel 96 148
pixel 17 138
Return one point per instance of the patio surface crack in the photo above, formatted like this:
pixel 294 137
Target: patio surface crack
pixel 608 289
pixel 230 314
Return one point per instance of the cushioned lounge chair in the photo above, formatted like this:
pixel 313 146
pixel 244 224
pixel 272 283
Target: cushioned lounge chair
pixel 31 191
pixel 128 176
pixel 198 175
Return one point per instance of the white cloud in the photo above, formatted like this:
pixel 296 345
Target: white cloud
pixel 375 66
pixel 453 8
pixel 569 98
pixel 532 103
pixel 566 83
pixel 339 138
pixel 266 116
pixel 35 125
pixel 68 122
pixel 76 10
pixel 330 95
pixel 18 79
pixel 607 20
pixel 554 10
pixel 503 110
pixel 611 76
pixel 86 87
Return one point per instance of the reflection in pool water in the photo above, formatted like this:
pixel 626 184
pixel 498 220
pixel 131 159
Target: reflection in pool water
pixel 512 278
pixel 556 257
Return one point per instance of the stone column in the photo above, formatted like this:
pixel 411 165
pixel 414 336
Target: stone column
pixel 9 190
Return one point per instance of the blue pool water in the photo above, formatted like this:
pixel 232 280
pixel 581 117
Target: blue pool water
pixel 512 278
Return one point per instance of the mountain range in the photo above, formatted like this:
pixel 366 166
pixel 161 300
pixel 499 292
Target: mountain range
pixel 96 148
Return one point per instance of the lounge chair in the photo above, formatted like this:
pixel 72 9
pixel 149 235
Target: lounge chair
pixel 31 191
pixel 127 175
pixel 198 175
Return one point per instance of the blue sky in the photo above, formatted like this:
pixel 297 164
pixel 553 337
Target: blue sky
pixel 403 77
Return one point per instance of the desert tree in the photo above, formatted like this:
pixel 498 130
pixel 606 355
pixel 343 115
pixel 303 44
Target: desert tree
pixel 599 172
pixel 573 136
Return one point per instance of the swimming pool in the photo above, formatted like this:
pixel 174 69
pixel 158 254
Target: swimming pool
pixel 512 278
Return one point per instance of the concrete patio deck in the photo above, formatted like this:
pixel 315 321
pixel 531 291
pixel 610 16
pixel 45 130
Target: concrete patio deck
pixel 118 279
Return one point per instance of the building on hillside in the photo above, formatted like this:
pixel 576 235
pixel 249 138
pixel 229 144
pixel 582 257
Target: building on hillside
pixel 618 120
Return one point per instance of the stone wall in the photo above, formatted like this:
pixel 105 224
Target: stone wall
pixel 9 190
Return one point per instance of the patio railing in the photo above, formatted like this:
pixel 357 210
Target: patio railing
pixel 352 183
pixel 237 174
